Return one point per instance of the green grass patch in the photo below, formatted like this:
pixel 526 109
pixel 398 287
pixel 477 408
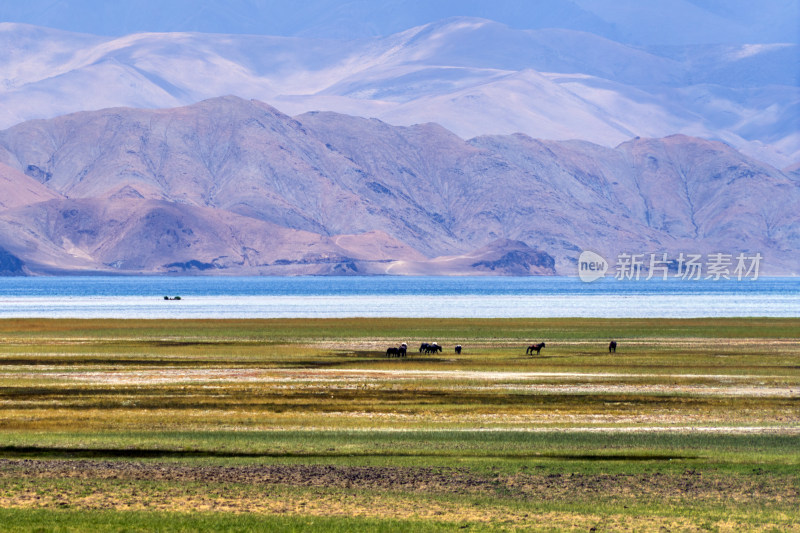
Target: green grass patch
pixel 287 425
pixel 69 521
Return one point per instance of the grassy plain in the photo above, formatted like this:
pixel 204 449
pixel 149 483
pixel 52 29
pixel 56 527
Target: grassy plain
pixel 290 425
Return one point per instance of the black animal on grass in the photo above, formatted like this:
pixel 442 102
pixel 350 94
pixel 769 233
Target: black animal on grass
pixel 458 348
pixel 429 348
pixel 397 352
pixel 534 348
pixel 612 347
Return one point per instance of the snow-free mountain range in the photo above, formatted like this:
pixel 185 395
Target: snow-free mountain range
pixel 459 147
pixel 234 186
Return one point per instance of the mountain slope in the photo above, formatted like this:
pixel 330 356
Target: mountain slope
pixel 472 76
pixel 231 185
pixel 663 22
pixel 126 235
pixel 19 189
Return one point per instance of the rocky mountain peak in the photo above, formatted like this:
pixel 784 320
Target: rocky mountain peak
pixel 238 185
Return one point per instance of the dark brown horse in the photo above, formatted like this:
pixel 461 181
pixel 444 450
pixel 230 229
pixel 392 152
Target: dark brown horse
pixel 397 352
pixel 534 348
pixel 612 347
pixel 429 348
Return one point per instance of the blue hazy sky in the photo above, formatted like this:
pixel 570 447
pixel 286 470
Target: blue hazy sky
pixel 631 21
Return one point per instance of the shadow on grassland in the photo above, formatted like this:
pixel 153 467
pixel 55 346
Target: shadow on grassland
pixel 42 452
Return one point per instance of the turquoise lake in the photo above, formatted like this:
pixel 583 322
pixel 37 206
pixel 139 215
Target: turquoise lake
pixel 480 297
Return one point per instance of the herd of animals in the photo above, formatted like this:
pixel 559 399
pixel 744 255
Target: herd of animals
pixel 426 348
pixel 433 347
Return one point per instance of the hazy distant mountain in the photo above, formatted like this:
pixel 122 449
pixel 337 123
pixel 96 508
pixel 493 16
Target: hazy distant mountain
pixel 126 172
pixel 658 22
pixel 235 186
pixel 472 76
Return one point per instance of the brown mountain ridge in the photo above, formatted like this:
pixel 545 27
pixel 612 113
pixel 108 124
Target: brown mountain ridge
pixel 229 186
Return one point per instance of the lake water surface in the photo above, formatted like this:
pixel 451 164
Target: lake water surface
pixel 456 297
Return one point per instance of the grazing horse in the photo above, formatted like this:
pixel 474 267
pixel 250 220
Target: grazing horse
pixel 397 352
pixel 534 348
pixel 612 347
pixel 429 347
pixel 458 348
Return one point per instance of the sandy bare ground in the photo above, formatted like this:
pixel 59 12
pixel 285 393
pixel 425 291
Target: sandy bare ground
pixel 530 382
